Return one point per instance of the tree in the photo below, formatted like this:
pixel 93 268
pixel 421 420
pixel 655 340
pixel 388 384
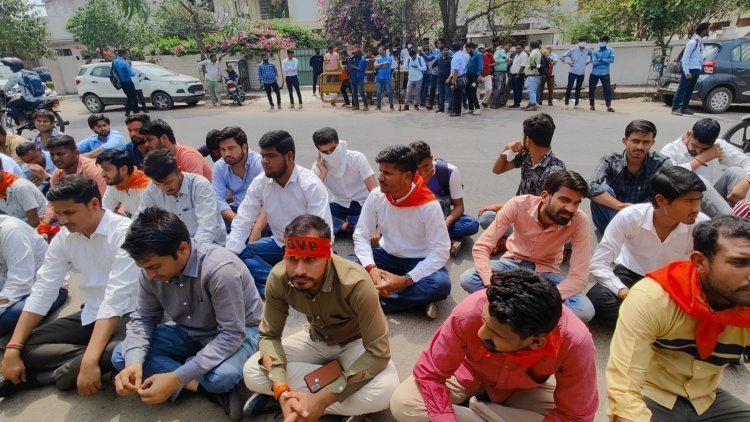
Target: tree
pixel 100 25
pixel 601 17
pixel 175 20
pixel 23 32
pixel 509 10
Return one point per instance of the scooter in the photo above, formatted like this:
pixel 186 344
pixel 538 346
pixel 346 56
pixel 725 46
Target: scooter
pixel 26 121
pixel 235 92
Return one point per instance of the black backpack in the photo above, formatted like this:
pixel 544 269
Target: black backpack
pixel 114 78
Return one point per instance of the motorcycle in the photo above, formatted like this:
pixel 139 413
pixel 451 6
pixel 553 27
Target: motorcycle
pixel 26 121
pixel 235 92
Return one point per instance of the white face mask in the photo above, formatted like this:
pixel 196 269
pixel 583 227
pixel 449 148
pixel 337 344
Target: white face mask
pixel 602 44
pixel 582 44
pixel 408 46
pixel 336 161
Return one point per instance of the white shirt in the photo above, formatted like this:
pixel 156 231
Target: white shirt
pixel 128 198
pixel 454 182
pixel 109 277
pixel 520 60
pixel 290 66
pixel 24 249
pixel 195 204
pixel 23 196
pixel 11 166
pixel 212 69
pixel 350 186
pixel 408 232
pixel 731 157
pixel 304 193
pixel 631 240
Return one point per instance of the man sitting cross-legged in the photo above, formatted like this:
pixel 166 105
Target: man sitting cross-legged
pixel 20 198
pixel 213 306
pixel 643 237
pixel 505 344
pixel 408 265
pixel 126 184
pixel 346 324
pixel 75 351
pixel 542 225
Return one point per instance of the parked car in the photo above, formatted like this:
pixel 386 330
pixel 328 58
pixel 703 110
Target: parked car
pixel 161 87
pixel 724 79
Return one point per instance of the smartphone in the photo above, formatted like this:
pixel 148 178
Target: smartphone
pixel 323 376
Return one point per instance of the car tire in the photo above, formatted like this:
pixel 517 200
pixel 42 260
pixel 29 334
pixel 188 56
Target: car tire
pixel 93 103
pixel 191 103
pixel 668 99
pixel 162 101
pixel 718 100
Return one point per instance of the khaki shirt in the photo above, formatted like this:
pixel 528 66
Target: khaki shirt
pixel 346 308
pixel 12 141
pixel 653 353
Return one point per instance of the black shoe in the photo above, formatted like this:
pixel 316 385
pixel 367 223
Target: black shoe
pixel 231 401
pixel 7 388
pixel 256 404
pixel 455 115
pixel 687 112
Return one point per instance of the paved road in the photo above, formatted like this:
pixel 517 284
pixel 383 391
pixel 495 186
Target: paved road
pixel 470 142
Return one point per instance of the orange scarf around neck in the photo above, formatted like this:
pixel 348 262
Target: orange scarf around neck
pixel 7 180
pixel 138 181
pixel 680 280
pixel 420 195
pixel 530 357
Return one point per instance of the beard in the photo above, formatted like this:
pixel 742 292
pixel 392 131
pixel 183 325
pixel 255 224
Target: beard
pixel 276 174
pixel 560 217
pixel 234 161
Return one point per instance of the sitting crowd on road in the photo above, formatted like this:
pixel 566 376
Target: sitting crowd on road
pixel 187 273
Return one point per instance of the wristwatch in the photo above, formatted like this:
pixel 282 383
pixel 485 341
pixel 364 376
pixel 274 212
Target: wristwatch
pixel 409 280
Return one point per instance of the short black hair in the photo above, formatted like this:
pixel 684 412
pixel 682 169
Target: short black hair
pixel 568 179
pixel 212 55
pixel 583 38
pixel 540 128
pixel 290 52
pixel 78 188
pixel 95 118
pixel 423 150
pixel 138 117
pixel 232 132
pixel 302 224
pixel 703 26
pixel 325 136
pixel 534 44
pixel 280 140
pixel 530 304
pixel 640 125
pixel 470 45
pixel 401 156
pixel 673 182
pixel 45 114
pixel 117 158
pixel 158 128
pixel 456 46
pixel 155 232
pixel 122 52
pixel 212 139
pixel 706 234
pixel 62 141
pixel 159 164
pixel 26 148
pixel 706 131
pixel 604 38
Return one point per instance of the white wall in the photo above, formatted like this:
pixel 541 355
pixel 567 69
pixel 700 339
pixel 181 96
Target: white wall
pixel 58 13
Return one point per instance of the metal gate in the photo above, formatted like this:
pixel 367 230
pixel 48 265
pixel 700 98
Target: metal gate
pixel 304 71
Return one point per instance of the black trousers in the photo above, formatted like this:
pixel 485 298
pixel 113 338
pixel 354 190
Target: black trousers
pixel 59 346
pixel 293 82
pixel 316 75
pixel 268 87
pixel 141 99
pixel 346 86
pixel 19 105
pixel 471 93
pixel 131 105
pixel 458 94
pixel 606 303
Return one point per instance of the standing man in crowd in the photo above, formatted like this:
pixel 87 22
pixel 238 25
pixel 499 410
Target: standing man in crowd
pixel 445 93
pixel 159 135
pixel 346 174
pixel 577 58
pixel 357 67
pixel 103 138
pixel 458 79
pixel 601 60
pixel 551 59
pixel 473 75
pixel 268 75
pixel 487 69
pixel 518 68
pixel 623 178
pixel 680 327
pixel 382 69
pixel 124 73
pixel 500 74
pixel 316 63
pixel 126 184
pixel 331 61
pixel 416 65
pixel 690 70
pixel 533 76
pixel 37 165
pixel 291 66
pixel 212 75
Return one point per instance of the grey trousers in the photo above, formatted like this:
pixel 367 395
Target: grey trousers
pixel 714 202
pixel 726 408
pixel 413 90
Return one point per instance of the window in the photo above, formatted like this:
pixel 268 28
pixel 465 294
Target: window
pixel 64 52
pixel 273 9
pixel 741 53
pixel 101 71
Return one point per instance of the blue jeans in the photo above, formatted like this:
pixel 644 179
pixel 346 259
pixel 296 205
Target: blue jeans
pixel 486 219
pixel 340 214
pixel 578 80
pixel 358 88
pixel 170 348
pixel 380 85
pixel 444 90
pixel 426 81
pixel 9 316
pixel 601 215
pixel 433 288
pixel 579 304
pixel 517 90
pixel 465 226
pixel 606 87
pixel 685 90
pixel 259 257
pixel 532 85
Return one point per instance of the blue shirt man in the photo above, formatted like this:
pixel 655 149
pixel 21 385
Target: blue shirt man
pixel 384 73
pixel 226 181
pixel 458 64
pixel 357 73
pixel 267 72
pixel 112 140
pixel 474 68
pixel 122 69
pixel 692 57
pixel 577 57
pixel 602 59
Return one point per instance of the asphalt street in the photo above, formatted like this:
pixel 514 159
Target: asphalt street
pixel 469 142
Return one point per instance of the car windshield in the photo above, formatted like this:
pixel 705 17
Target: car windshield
pixel 154 71
pixel 5 72
pixel 710 50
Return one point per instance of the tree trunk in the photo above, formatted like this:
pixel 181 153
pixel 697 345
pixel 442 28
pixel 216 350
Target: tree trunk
pixel 449 14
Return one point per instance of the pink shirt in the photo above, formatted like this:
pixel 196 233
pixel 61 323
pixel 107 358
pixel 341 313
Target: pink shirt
pixel 531 242
pixel 191 161
pixel 86 167
pixel 457 350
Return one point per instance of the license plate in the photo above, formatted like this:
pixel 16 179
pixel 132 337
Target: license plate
pixel 673 86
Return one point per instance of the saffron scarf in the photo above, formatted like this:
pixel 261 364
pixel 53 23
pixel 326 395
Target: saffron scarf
pixel 530 357
pixel 138 181
pixel 5 182
pixel 420 195
pixel 680 280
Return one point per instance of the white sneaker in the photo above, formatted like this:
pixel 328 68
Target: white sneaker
pixel 300 106
pixel 576 107
pixel 431 310
pixel 465 111
pixel 477 112
pixel 567 107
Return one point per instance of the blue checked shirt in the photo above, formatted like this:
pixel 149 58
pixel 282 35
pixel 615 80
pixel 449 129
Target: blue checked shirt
pixel 629 188
pixel 267 72
pixel 533 176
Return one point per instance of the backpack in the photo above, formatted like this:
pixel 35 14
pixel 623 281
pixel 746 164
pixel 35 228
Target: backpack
pixel 114 78
pixel 33 83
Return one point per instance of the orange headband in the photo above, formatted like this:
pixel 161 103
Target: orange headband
pixel 313 247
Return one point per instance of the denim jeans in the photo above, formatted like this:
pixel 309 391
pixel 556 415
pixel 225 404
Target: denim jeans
pixel 9 316
pixel 601 215
pixel 358 88
pixel 426 77
pixel 498 84
pixel 170 348
pixel 340 214
pixel 444 93
pixel 606 87
pixel 131 104
pixel 465 226
pixel 532 85
pixel 578 80
pixel 413 88
pixel 433 89
pixel 259 257
pixel 579 304
pixel 433 288
pixel 380 85
pixel 517 90
pixel 685 90
pixel 292 83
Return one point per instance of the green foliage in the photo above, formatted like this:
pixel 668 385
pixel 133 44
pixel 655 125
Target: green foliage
pixel 303 37
pixel 132 8
pixel 100 25
pixel 23 33
pixel 174 18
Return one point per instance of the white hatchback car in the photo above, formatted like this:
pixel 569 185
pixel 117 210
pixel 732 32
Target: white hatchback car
pixel 161 87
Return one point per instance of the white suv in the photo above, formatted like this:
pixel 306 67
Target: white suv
pixel 161 87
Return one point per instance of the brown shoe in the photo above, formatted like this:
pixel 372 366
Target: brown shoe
pixel 366 108
pixel 455 247
pixel 355 107
pixel 530 108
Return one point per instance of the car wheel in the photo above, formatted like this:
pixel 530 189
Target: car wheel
pixel 718 100
pixel 93 103
pixel 668 99
pixel 162 101
pixel 191 103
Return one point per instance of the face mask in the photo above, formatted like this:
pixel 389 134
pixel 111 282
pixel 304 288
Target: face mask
pixel 408 46
pixel 582 44
pixel 336 161
pixel 602 44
